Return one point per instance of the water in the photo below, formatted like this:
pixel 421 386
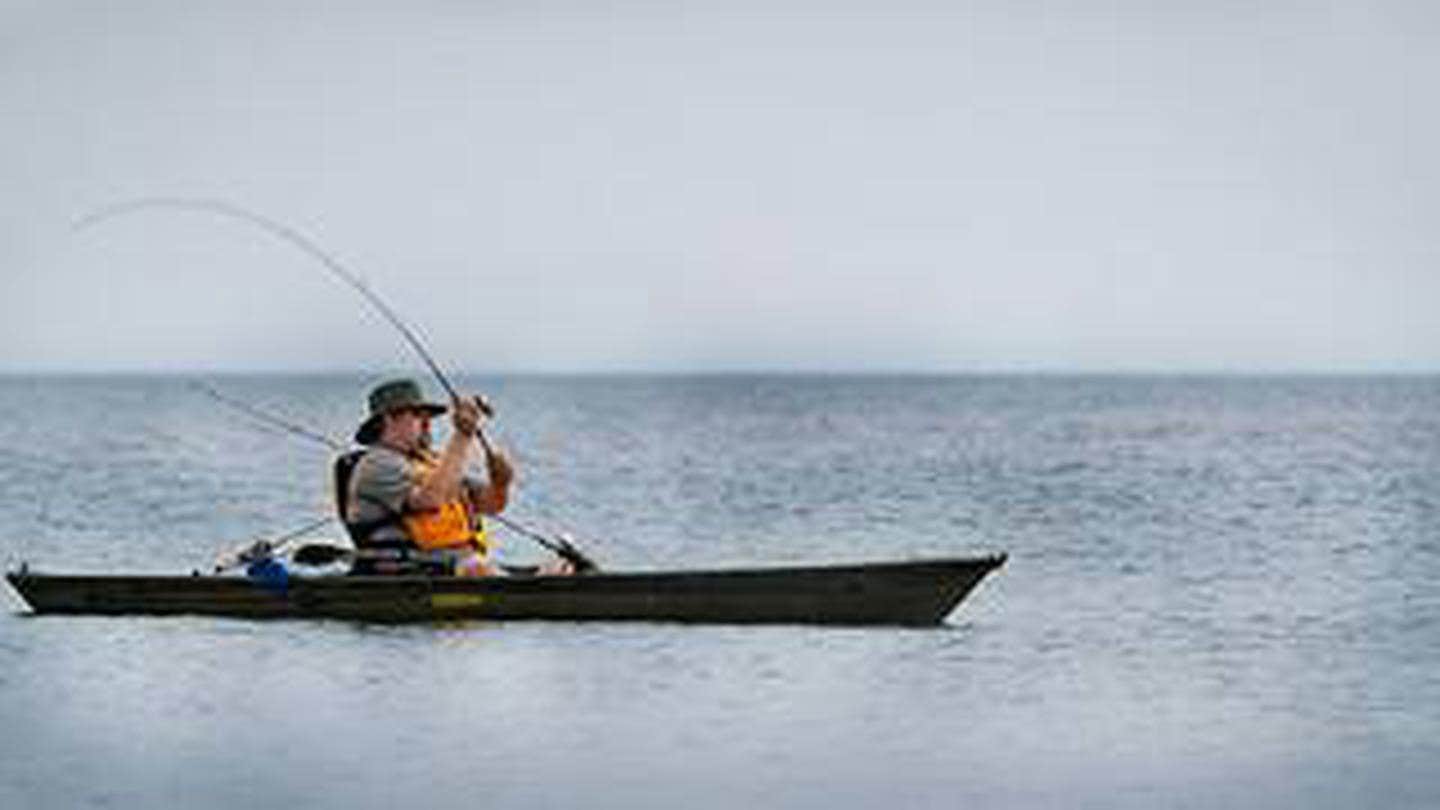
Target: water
pixel 1221 592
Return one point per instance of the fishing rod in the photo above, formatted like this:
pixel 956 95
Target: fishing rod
pixel 296 239
pixel 286 234
pixel 308 246
pixel 561 546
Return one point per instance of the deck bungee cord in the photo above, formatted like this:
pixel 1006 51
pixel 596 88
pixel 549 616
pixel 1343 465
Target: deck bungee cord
pixel 561 546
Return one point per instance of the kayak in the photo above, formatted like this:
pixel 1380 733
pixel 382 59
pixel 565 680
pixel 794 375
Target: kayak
pixel 916 592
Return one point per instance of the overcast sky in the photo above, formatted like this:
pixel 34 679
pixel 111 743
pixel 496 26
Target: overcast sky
pixel 588 185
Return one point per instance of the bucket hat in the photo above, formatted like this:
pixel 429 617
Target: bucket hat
pixel 391 396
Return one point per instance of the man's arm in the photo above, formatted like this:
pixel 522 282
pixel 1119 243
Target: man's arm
pixel 492 496
pixel 443 484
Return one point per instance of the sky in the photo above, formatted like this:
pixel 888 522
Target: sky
pixel 711 186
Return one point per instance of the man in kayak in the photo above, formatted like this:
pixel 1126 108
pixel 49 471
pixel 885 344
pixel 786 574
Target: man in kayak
pixel 411 509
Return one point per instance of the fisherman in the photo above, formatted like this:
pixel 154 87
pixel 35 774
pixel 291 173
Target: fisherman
pixel 414 510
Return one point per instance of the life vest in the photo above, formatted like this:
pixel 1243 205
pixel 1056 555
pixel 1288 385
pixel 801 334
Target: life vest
pixel 342 472
pixel 439 528
pixel 447 531
pixel 448 527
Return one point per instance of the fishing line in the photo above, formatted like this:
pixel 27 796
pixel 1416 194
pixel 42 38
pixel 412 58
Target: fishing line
pixel 267 418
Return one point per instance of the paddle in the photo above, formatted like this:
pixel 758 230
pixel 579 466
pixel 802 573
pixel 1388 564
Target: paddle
pixel 317 554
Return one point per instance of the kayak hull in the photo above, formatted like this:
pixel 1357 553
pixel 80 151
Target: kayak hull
pixel 921 592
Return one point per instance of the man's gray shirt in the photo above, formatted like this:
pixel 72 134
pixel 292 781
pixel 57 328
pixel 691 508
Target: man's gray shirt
pixel 378 489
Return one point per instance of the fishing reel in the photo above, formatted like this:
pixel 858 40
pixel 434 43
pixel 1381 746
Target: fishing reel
pixel 566 550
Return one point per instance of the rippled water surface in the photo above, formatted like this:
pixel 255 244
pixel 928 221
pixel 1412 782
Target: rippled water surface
pixel 1221 592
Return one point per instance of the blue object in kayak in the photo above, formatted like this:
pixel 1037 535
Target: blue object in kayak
pixel 270 574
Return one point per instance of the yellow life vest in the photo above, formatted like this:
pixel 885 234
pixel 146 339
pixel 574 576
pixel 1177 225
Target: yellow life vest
pixel 439 528
pixel 447 527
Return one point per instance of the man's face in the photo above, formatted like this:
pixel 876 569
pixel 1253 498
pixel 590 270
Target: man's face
pixel 408 428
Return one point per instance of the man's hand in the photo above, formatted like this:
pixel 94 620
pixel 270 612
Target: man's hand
pixel 500 467
pixel 465 415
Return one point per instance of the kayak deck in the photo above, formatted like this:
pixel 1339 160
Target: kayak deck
pixel 920 592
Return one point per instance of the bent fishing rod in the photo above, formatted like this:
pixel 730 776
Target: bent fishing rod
pixel 295 238
pixel 308 246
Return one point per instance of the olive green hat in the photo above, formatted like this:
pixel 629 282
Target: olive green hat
pixel 389 397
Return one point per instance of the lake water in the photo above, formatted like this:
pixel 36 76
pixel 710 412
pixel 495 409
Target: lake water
pixel 1221 592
